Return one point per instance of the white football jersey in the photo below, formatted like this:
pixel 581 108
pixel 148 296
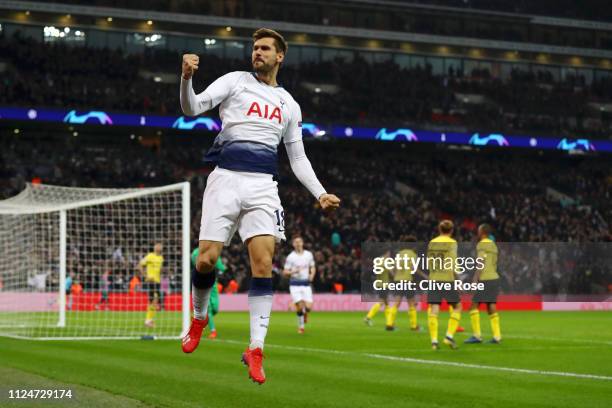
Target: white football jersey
pixel 302 262
pixel 255 118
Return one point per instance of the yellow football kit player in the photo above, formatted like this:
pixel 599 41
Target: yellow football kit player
pixel 441 259
pixel 151 267
pixel 488 251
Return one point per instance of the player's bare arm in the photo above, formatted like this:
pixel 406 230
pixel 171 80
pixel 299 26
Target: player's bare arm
pixel 141 267
pixel 476 277
pixel 290 272
pixel 313 272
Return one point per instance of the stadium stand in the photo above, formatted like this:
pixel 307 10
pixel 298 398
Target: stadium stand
pixel 511 191
pixel 365 92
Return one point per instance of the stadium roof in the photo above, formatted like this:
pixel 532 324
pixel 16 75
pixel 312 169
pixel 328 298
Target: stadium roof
pixel 206 25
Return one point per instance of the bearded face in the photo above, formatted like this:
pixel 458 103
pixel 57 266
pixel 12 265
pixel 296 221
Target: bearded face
pixel 265 57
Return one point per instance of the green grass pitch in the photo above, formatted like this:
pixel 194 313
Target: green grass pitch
pixel 547 359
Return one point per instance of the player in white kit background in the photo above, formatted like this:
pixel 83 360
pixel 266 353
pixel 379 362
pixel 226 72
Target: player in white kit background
pixel 241 193
pixel 301 270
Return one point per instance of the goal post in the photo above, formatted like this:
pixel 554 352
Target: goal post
pixel 70 262
pixel 62 270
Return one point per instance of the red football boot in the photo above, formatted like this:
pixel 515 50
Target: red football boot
pixel 192 338
pixel 254 359
pixel 460 329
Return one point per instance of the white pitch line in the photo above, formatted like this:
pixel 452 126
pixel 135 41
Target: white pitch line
pixel 93 338
pixel 493 368
pixel 375 356
pixel 15 336
pixel 436 362
pixel 166 337
pixel 485 349
pixel 561 339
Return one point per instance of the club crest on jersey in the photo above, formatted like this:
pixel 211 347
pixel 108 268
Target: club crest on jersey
pixel 268 112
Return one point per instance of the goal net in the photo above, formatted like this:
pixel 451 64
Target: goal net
pixel 72 262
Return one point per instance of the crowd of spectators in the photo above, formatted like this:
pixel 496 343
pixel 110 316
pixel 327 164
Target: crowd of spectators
pixel 383 93
pixel 388 190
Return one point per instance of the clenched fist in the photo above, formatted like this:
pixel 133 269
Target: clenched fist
pixel 329 202
pixel 190 65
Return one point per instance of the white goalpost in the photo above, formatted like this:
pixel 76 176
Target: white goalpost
pixel 69 262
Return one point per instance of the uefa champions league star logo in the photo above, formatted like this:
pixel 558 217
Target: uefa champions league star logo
pixel 408 135
pixel 578 144
pixel 101 117
pixel 492 139
pixel 310 129
pixel 186 124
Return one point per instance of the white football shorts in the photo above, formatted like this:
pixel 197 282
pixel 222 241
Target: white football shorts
pixel 300 293
pixel 241 201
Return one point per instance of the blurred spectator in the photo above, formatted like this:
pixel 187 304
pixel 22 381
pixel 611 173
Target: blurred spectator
pixel 135 284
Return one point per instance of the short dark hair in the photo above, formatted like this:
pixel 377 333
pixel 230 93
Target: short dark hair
pixel 486 228
pixel 446 226
pixel 279 41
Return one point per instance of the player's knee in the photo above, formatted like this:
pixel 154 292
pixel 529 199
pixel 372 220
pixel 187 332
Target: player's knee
pixel 261 265
pixel 206 262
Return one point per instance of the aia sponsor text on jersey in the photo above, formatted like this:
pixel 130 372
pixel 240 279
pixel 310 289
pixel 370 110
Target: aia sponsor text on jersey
pixel 268 112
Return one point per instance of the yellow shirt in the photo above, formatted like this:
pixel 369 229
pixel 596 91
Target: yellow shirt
pixel 153 264
pixel 405 273
pixel 487 250
pixel 441 258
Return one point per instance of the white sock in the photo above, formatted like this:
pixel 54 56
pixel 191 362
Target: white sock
pixel 301 321
pixel 259 310
pixel 200 299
